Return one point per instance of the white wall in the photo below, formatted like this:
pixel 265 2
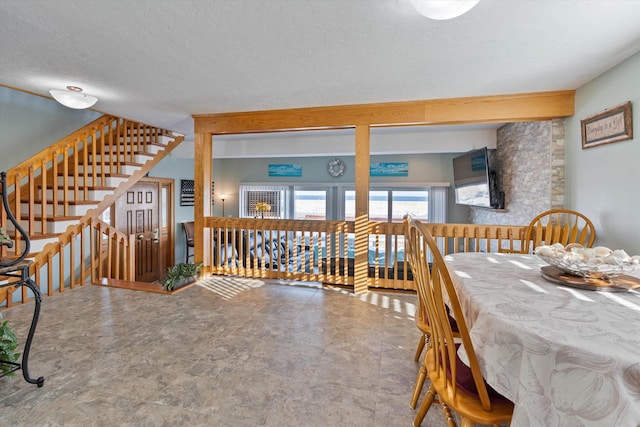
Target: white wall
pixel 177 169
pixel 395 140
pixel 603 182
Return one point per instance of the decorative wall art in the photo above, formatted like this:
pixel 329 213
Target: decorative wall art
pixel 187 192
pixel 612 125
pixel 336 168
pixel 285 170
pixel 389 169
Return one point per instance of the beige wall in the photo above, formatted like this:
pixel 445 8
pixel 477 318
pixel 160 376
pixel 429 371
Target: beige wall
pixel 603 182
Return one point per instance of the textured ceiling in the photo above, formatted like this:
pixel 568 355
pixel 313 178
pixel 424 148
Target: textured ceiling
pixel 160 61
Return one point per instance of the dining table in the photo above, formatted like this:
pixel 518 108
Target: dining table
pixel 564 355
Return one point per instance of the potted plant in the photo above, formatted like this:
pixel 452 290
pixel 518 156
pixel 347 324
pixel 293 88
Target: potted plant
pixel 5 240
pixel 180 275
pixel 8 345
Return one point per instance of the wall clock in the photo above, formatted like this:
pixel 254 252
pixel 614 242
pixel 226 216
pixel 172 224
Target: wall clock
pixel 336 167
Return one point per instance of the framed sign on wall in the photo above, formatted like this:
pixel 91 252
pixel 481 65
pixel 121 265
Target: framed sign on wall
pixel 612 125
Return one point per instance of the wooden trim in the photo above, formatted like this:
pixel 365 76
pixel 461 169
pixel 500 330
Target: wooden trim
pixel 202 198
pixel 479 109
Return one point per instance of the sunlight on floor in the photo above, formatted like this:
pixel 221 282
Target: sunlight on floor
pixel 228 287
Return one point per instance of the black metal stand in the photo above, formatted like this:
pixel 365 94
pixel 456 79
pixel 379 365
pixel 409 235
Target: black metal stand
pixel 18 268
pixel 21 271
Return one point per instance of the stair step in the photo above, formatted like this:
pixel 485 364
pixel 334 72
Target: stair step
pixel 122 163
pixel 138 286
pixel 126 141
pixel 75 208
pixel 151 148
pixel 161 140
pixel 112 180
pixel 81 187
pixel 56 218
pixel 138 158
pixel 54 225
pixel 93 193
pixel 166 139
pixel 38 241
pixel 126 168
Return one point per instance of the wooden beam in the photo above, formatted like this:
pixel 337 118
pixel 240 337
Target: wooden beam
pixel 202 195
pixel 479 109
pixel 361 225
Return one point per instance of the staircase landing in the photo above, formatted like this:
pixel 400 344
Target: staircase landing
pixel 140 286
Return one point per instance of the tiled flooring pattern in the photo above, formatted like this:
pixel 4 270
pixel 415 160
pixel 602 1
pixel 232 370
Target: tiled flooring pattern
pixel 233 352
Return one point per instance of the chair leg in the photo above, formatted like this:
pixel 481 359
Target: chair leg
pixel 448 416
pixel 466 422
pixel 422 375
pixel 420 348
pixel 424 408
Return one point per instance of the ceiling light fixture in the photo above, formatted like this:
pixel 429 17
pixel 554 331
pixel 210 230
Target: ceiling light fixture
pixel 443 9
pixel 73 98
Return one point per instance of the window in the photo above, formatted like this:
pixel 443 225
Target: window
pixel 310 204
pixel 391 205
pixel 414 202
pixel 385 205
pixel 273 195
pixel 318 203
pixel 378 205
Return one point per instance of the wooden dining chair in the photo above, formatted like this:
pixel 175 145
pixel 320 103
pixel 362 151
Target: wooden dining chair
pixel 188 229
pixel 557 226
pixel 454 385
pixel 422 322
pixel 417 258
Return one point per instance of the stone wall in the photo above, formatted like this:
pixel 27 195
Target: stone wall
pixel 557 164
pixel 529 161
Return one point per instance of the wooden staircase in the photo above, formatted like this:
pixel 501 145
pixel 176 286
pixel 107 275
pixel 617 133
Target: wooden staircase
pixel 60 193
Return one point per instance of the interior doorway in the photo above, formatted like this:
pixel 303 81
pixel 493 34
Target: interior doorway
pixel 146 212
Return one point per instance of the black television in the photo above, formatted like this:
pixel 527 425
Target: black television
pixel 474 181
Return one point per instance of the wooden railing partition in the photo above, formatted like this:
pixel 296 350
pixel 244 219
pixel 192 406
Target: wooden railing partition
pixel 453 238
pixel 91 249
pixel 322 251
pixel 302 250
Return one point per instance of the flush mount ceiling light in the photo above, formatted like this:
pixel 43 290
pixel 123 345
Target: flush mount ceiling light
pixel 443 9
pixel 73 98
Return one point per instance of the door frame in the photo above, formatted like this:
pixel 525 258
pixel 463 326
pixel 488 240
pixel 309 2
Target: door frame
pixel 169 184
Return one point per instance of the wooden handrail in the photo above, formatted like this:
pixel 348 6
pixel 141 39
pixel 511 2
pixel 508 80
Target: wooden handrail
pixel 43 188
pixel 59 145
pixel 76 254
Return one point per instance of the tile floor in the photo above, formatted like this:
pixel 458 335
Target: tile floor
pixel 232 352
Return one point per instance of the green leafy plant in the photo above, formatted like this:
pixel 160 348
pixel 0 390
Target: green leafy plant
pixel 8 345
pixel 5 240
pixel 180 273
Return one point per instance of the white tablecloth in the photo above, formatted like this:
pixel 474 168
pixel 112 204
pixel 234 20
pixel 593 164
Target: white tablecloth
pixel 565 357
